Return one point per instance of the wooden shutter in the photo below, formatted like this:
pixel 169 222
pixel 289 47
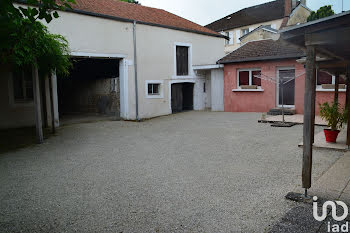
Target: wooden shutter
pixel 181 60
pixel 231 37
pixel 238 35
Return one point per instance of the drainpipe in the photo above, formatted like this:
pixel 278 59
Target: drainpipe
pixel 135 70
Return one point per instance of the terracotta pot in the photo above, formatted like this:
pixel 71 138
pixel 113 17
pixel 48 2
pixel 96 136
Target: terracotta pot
pixel 331 135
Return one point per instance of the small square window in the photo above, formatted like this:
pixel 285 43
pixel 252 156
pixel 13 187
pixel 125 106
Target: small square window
pixel 153 89
pixel 245 31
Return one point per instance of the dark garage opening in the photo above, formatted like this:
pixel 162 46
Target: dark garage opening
pixel 91 91
pixel 181 97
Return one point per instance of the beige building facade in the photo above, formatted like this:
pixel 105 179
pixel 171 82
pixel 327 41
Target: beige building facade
pixel 145 58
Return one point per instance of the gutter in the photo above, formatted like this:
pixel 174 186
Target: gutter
pixel 135 70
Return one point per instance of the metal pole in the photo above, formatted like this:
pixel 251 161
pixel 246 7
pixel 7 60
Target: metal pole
pixel 135 69
pixel 282 102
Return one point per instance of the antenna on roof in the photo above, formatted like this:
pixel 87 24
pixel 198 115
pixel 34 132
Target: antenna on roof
pixel 342 5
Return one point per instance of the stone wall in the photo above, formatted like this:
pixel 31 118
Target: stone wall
pixel 89 96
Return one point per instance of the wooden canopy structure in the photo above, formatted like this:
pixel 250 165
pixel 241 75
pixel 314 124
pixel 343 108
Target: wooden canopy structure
pixel 327 45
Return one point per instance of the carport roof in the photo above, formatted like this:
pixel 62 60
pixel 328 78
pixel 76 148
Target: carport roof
pixel 123 11
pixel 330 37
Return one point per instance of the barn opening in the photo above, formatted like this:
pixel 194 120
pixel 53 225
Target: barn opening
pixel 181 97
pixel 90 92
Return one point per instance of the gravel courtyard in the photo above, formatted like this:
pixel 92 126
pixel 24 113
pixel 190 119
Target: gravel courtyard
pixel 188 172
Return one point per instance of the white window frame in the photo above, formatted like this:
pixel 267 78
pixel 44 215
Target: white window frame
pixel 154 96
pixel 190 68
pixel 250 76
pixel 12 101
pixel 278 85
pixel 319 87
pixel 243 30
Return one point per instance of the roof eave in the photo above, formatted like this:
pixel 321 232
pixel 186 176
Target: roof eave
pixel 265 58
pixel 145 23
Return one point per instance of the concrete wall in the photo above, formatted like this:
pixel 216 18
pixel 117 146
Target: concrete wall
pixel 246 101
pixel 13 115
pixel 156 61
pixel 89 96
pixel 299 15
pixel 259 35
pixel 231 47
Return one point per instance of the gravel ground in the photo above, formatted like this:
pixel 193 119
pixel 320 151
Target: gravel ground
pixel 188 172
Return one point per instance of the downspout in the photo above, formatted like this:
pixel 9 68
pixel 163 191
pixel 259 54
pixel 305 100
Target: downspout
pixel 135 70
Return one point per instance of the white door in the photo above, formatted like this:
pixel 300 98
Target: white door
pixel 217 90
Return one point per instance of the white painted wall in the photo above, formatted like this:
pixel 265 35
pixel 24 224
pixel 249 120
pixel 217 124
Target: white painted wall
pixel 156 61
pixel 95 36
pixel 217 90
pixel 155 57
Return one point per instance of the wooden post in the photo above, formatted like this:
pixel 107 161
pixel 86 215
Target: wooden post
pixel 308 122
pixel 54 99
pixel 336 90
pixel 48 103
pixel 52 109
pixel 313 107
pixel 347 78
pixel 37 105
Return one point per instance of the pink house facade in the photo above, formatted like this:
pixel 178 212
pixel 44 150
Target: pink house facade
pixel 256 73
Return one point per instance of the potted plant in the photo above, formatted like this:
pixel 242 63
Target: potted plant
pixel 335 118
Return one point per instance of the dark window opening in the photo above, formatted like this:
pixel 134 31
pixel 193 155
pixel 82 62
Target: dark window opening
pixel 153 88
pixel 323 78
pixel 256 78
pixel 182 60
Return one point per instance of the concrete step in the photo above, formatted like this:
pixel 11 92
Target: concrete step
pixel 278 111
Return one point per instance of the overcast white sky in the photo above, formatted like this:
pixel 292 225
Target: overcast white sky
pixel 207 11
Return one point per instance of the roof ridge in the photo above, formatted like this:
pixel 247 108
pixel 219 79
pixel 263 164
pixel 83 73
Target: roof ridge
pixel 246 8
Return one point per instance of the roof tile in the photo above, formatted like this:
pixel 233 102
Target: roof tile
pixel 263 50
pixel 140 13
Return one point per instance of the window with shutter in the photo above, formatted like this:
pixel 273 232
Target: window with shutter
pixel 182 60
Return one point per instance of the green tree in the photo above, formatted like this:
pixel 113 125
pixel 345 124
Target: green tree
pixel 25 41
pixel 131 1
pixel 323 12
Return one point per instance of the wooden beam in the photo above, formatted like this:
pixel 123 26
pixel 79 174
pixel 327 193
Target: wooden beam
pixel 336 90
pixel 37 105
pixel 328 53
pixel 333 64
pixel 335 36
pixel 308 122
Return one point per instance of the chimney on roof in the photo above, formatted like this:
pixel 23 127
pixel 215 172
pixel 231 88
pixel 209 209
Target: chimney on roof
pixel 294 4
pixel 287 7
